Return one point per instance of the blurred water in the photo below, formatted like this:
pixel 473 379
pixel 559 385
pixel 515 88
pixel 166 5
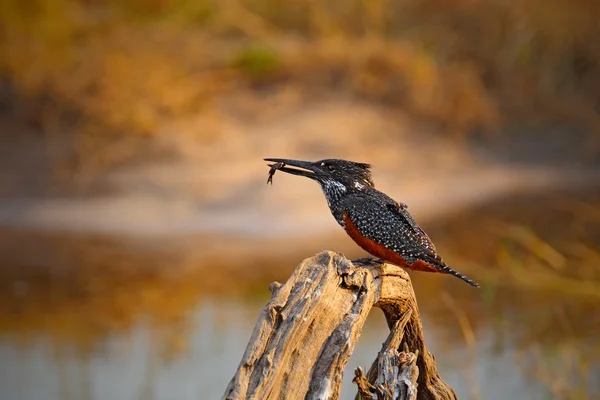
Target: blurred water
pixel 133 365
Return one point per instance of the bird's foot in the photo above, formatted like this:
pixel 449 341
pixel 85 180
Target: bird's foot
pixel 370 260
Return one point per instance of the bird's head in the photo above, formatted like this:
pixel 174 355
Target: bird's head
pixel 335 176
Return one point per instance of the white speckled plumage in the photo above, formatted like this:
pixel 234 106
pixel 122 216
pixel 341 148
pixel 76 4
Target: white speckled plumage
pixel 381 219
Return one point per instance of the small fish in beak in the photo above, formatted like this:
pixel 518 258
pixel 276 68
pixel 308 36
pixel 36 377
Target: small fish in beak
pixel 274 167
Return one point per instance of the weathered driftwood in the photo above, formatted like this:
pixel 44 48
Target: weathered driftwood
pixel 394 373
pixel 306 333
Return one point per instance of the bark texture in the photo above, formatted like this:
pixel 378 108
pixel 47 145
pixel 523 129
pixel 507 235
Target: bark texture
pixel 306 333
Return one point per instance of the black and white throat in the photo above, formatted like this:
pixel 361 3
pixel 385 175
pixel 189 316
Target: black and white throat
pixel 335 192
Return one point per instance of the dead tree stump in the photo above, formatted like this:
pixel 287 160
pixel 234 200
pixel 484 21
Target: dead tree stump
pixel 306 333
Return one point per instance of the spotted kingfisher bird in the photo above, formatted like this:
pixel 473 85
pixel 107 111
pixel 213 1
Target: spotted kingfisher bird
pixel 378 224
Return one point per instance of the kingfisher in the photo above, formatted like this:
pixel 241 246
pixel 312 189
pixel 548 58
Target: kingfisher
pixel 380 225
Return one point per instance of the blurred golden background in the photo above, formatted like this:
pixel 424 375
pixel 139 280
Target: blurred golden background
pixel 138 237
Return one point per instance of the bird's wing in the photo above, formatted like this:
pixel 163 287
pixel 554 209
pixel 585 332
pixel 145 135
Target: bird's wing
pixel 388 223
pixel 401 211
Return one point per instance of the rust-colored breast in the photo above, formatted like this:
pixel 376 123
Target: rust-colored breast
pixel 381 251
pixel 370 246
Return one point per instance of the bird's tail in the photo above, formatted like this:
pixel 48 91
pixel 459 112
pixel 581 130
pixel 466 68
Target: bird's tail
pixel 441 266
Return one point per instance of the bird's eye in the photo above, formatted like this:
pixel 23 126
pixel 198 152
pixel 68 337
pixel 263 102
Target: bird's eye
pixel 330 168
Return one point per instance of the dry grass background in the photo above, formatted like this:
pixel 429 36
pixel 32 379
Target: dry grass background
pixel 131 67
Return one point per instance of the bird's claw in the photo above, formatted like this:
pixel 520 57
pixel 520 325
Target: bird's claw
pixel 370 260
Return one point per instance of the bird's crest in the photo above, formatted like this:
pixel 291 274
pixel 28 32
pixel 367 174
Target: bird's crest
pixel 366 172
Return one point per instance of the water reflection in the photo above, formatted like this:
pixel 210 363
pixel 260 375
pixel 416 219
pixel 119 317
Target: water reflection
pixel 197 360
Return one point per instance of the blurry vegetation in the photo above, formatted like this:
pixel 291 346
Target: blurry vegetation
pixel 133 66
pixel 257 62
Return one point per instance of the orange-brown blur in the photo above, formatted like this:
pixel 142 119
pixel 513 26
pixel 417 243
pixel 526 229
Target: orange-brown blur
pixel 138 235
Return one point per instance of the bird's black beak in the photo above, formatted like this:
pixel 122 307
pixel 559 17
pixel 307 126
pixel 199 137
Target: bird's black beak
pixel 308 169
